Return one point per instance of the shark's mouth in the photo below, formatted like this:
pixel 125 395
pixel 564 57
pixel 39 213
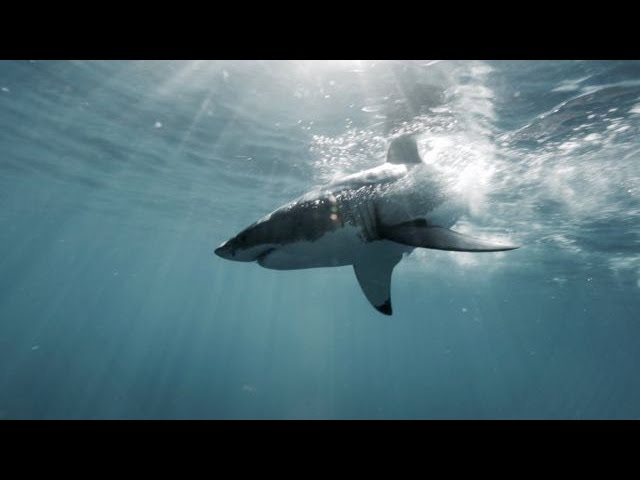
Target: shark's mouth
pixel 264 255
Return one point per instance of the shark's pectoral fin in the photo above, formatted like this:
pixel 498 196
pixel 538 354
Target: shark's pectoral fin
pixel 439 238
pixel 374 276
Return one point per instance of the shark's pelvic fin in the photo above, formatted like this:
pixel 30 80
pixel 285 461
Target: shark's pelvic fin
pixel 374 277
pixel 404 149
pixel 418 234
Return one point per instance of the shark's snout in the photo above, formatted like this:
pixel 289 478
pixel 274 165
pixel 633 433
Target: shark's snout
pixel 239 249
pixel 225 251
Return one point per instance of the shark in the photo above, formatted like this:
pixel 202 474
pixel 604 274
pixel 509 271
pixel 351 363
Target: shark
pixel 369 220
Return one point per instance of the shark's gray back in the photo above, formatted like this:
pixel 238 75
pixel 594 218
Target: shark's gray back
pixel 390 195
pixel 387 195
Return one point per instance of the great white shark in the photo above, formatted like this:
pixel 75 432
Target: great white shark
pixel 369 220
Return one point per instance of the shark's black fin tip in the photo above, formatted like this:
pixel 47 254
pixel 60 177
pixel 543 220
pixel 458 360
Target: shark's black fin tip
pixel 385 308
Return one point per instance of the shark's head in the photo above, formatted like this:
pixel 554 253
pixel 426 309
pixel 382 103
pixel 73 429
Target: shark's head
pixel 250 244
pixel 305 219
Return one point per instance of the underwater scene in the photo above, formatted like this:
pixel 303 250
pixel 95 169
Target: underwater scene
pixel 319 239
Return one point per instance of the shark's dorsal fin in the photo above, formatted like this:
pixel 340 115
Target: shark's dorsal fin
pixel 404 149
pixel 419 234
pixel 374 277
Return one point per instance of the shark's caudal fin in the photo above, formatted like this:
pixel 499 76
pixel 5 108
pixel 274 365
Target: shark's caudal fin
pixel 404 149
pixel 374 277
pixel 418 234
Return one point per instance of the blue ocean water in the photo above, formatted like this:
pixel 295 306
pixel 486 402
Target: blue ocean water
pixel 119 178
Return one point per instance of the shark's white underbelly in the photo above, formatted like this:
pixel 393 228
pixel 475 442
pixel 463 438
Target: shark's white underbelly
pixel 344 246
